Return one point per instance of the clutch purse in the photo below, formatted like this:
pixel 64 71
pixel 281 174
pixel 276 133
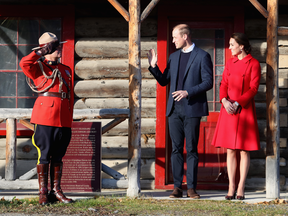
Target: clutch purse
pixel 239 108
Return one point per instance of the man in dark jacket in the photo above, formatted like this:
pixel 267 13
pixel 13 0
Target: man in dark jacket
pixel 190 73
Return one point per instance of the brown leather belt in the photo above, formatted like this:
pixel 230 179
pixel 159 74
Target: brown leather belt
pixel 62 95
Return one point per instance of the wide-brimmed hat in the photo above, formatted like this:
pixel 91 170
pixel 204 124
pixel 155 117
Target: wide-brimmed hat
pixel 45 38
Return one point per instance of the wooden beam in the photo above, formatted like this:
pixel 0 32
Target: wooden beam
pixel 27 124
pixel 135 81
pixel 10 167
pixel 260 8
pixel 272 104
pixel 116 175
pixel 148 9
pixel 282 31
pixel 120 9
pixel 77 113
pixel 112 124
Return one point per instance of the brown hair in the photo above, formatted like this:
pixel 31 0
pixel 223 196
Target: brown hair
pixel 183 29
pixel 242 39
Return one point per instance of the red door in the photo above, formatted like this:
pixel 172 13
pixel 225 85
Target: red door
pixel 212 35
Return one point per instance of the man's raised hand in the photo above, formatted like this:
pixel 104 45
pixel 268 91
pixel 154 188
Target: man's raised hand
pixel 152 58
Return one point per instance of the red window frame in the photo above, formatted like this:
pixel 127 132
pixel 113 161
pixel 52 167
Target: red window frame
pixel 67 15
pixel 165 13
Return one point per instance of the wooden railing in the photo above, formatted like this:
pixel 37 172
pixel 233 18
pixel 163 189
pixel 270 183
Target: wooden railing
pixel 12 115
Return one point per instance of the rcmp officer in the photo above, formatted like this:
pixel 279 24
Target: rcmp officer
pixel 52 113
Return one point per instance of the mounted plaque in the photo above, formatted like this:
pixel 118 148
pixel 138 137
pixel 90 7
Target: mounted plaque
pixel 82 161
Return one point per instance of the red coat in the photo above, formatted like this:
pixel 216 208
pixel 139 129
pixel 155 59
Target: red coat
pixel 50 111
pixel 240 82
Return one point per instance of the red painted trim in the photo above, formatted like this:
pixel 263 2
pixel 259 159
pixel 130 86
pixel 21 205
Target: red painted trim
pixel 67 14
pixel 181 12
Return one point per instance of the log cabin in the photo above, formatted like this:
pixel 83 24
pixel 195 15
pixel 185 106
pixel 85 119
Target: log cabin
pixel 97 50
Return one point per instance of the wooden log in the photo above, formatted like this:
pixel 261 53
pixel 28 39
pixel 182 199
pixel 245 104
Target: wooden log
pixel 19 185
pixel 112 68
pixel 120 9
pixel 11 142
pixel 148 105
pixel 147 127
pixel 259 50
pixel 272 95
pixel 27 124
pixel 123 184
pixel 24 149
pixel 112 124
pixel 111 172
pixel 135 89
pixel 261 95
pixel 260 8
pixel 6 113
pixel 77 114
pixel 105 27
pixel 110 47
pixel 261 111
pixel 100 113
pixel 112 88
pixel 257 28
pixel 148 9
pixel 282 31
pixel 117 147
pixel 120 165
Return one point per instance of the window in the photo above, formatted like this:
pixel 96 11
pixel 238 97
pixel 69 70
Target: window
pixel 17 37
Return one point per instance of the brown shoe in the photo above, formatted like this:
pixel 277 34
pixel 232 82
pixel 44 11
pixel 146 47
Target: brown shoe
pixel 192 194
pixel 177 193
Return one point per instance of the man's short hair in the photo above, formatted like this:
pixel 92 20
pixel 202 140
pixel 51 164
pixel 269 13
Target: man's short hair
pixel 183 29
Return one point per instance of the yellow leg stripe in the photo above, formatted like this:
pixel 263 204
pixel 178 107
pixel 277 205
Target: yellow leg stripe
pixel 38 149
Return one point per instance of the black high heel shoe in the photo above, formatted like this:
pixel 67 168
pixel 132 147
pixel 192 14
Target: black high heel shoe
pixel 230 197
pixel 240 197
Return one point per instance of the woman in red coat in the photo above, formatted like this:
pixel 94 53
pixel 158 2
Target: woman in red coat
pixel 237 128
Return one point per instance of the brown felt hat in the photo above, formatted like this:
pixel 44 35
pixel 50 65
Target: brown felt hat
pixel 45 38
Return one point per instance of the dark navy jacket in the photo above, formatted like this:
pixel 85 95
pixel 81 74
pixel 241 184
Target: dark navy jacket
pixel 197 80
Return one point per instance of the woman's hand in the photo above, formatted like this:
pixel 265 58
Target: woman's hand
pixel 228 106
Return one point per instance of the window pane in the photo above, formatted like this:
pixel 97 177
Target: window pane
pixel 210 94
pixel 28 32
pixel 217 87
pixel 23 51
pixel 23 88
pixel 26 102
pixel 8 57
pixel 53 26
pixel 210 107
pixel 207 45
pixel 219 46
pixel 219 70
pixel 218 106
pixel 8 84
pixel 7 103
pixel 8 31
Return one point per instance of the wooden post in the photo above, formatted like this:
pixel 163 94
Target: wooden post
pixel 272 103
pixel 135 80
pixel 10 168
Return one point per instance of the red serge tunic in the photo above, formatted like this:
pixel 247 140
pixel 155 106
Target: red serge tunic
pixel 50 111
pixel 240 82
